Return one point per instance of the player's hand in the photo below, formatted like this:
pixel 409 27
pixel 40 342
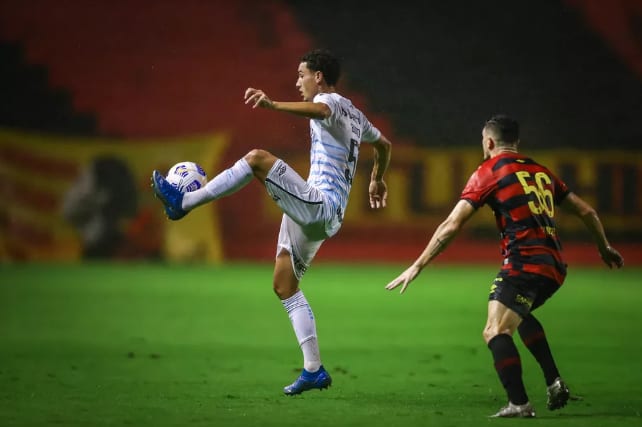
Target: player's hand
pixel 611 257
pixel 404 279
pixel 257 98
pixel 378 194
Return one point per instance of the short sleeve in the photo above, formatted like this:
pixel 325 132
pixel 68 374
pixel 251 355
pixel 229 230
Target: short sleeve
pixel 328 100
pixel 479 187
pixel 561 190
pixel 369 133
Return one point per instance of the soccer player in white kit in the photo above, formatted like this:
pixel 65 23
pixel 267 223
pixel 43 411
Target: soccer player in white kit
pixel 313 209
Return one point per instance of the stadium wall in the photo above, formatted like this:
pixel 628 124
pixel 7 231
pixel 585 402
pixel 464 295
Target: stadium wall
pixel 42 175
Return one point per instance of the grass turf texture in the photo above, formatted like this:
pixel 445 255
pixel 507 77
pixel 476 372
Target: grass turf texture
pixel 200 345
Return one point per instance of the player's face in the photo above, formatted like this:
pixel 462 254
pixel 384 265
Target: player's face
pixel 307 82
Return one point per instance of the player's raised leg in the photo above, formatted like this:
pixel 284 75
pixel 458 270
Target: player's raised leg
pixel 224 184
pixel 178 204
pixel 257 163
pixel 286 286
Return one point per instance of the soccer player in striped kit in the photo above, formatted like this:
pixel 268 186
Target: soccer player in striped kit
pixel 313 209
pixel 523 195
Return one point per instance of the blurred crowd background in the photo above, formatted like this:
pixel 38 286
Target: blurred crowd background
pixel 96 94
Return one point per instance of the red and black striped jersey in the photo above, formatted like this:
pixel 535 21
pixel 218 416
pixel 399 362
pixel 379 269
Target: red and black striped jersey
pixel 523 195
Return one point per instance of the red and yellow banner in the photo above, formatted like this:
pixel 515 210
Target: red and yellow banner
pixel 50 186
pixel 65 198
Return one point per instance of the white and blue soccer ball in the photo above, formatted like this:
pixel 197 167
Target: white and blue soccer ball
pixel 187 176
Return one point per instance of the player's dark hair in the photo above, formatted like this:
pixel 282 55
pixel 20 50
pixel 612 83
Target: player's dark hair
pixel 323 60
pixel 505 128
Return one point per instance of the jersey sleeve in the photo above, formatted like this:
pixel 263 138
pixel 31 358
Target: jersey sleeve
pixel 327 99
pixel 369 133
pixel 561 190
pixel 479 187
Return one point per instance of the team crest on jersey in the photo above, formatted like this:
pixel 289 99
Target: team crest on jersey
pixel 281 170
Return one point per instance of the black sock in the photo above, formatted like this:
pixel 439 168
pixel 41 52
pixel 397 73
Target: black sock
pixel 534 338
pixel 509 367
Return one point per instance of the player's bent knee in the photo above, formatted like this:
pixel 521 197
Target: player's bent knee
pixel 488 335
pixel 491 332
pixel 261 162
pixel 258 158
pixel 283 292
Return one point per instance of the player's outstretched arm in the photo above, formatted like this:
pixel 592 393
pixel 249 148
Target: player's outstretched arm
pixel 378 190
pixel 405 278
pixel 312 110
pixel 575 205
pixel 441 238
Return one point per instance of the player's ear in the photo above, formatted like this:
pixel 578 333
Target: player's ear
pixel 490 144
pixel 318 77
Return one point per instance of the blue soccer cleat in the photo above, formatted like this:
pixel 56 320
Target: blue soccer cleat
pixel 308 381
pixel 171 197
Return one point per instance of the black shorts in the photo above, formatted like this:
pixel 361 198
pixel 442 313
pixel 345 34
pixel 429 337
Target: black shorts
pixel 522 293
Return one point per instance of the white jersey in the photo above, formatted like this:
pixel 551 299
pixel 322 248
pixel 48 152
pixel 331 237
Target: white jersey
pixel 335 150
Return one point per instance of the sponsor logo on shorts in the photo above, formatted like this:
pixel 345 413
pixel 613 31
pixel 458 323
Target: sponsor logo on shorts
pixel 493 287
pixel 299 265
pixel 522 300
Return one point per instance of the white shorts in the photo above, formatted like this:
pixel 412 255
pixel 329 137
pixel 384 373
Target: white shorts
pixel 301 248
pixel 303 227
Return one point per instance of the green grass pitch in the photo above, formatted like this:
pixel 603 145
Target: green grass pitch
pixel 197 345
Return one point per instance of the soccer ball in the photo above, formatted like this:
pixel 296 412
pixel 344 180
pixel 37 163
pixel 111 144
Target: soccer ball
pixel 186 176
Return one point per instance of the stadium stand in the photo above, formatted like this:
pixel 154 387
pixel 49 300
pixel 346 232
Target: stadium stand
pixel 450 67
pixel 29 102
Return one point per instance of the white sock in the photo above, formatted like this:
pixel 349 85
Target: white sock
pixel 225 183
pixel 305 329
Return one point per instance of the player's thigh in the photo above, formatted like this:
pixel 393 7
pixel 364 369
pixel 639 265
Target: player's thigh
pixel 296 198
pixel 501 320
